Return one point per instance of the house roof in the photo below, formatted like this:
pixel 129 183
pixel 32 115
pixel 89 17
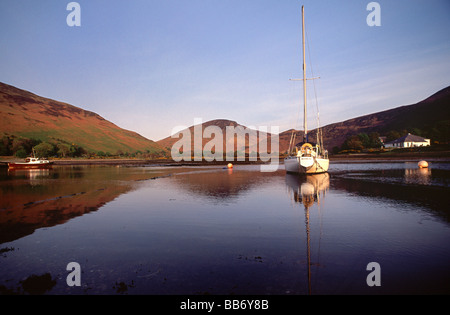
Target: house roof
pixel 408 138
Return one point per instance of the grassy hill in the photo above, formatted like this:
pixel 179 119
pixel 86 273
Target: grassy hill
pixel 29 116
pixel 24 114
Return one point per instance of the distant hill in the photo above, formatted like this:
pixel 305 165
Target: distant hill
pixel 222 124
pixel 24 114
pixel 431 116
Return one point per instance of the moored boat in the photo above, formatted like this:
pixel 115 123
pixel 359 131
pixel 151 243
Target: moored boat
pixel 30 163
pixel 305 157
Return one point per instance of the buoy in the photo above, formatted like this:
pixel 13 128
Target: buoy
pixel 423 164
pixel 230 165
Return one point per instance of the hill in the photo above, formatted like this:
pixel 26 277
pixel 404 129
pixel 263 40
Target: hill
pixel 221 125
pixel 431 117
pixel 24 114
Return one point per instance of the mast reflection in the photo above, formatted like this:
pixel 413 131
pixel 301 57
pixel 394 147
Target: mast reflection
pixel 307 190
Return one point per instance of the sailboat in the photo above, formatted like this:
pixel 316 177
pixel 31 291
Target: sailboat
pixel 306 157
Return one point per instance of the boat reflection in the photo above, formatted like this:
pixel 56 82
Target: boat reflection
pixel 307 190
pixel 33 175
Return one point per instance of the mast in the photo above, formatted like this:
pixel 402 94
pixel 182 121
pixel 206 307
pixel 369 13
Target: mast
pixel 305 127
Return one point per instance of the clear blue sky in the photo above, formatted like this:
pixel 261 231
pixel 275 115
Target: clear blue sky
pixel 152 65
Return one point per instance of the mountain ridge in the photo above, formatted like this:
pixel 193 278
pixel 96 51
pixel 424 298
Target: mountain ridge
pixel 420 115
pixel 25 114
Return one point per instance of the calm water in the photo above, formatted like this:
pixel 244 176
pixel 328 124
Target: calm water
pixel 209 230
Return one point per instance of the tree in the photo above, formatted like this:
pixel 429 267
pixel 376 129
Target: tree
pixel 392 135
pixel 374 140
pixel 21 153
pixel 365 140
pixel 5 146
pixel 353 143
pixel 417 132
pixel 336 149
pixel 63 149
pixel 17 144
pixel 76 150
pixel 119 153
pixel 44 149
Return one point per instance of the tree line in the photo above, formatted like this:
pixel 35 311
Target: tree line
pixel 439 134
pixel 22 147
pixel 359 142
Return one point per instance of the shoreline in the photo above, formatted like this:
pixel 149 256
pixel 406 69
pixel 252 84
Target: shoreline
pixel 433 156
pixel 436 156
pixel 168 163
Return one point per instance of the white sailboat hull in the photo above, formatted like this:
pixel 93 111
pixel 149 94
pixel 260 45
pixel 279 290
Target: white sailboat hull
pixel 306 165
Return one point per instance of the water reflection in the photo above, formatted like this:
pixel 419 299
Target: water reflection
pixel 33 199
pixel 427 188
pixel 308 190
pixel 220 185
pixel 173 231
pixel 421 176
pixel 31 174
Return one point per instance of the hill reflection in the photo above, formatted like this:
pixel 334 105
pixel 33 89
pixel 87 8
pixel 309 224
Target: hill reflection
pixel 33 199
pixel 427 188
pixel 223 184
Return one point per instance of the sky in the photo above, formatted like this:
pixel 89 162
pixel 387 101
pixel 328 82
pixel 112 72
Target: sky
pixel 152 66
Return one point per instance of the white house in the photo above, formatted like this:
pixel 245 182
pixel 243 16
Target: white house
pixel 408 141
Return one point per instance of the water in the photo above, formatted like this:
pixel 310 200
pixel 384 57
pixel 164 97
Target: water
pixel 209 230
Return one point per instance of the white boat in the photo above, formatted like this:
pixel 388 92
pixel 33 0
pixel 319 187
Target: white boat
pixel 306 157
pixel 30 163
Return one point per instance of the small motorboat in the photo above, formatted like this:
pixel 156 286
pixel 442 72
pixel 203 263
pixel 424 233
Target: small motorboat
pixel 31 163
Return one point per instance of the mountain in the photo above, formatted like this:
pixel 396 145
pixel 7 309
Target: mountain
pixel 24 114
pixel 252 137
pixel 426 115
pixel 431 116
